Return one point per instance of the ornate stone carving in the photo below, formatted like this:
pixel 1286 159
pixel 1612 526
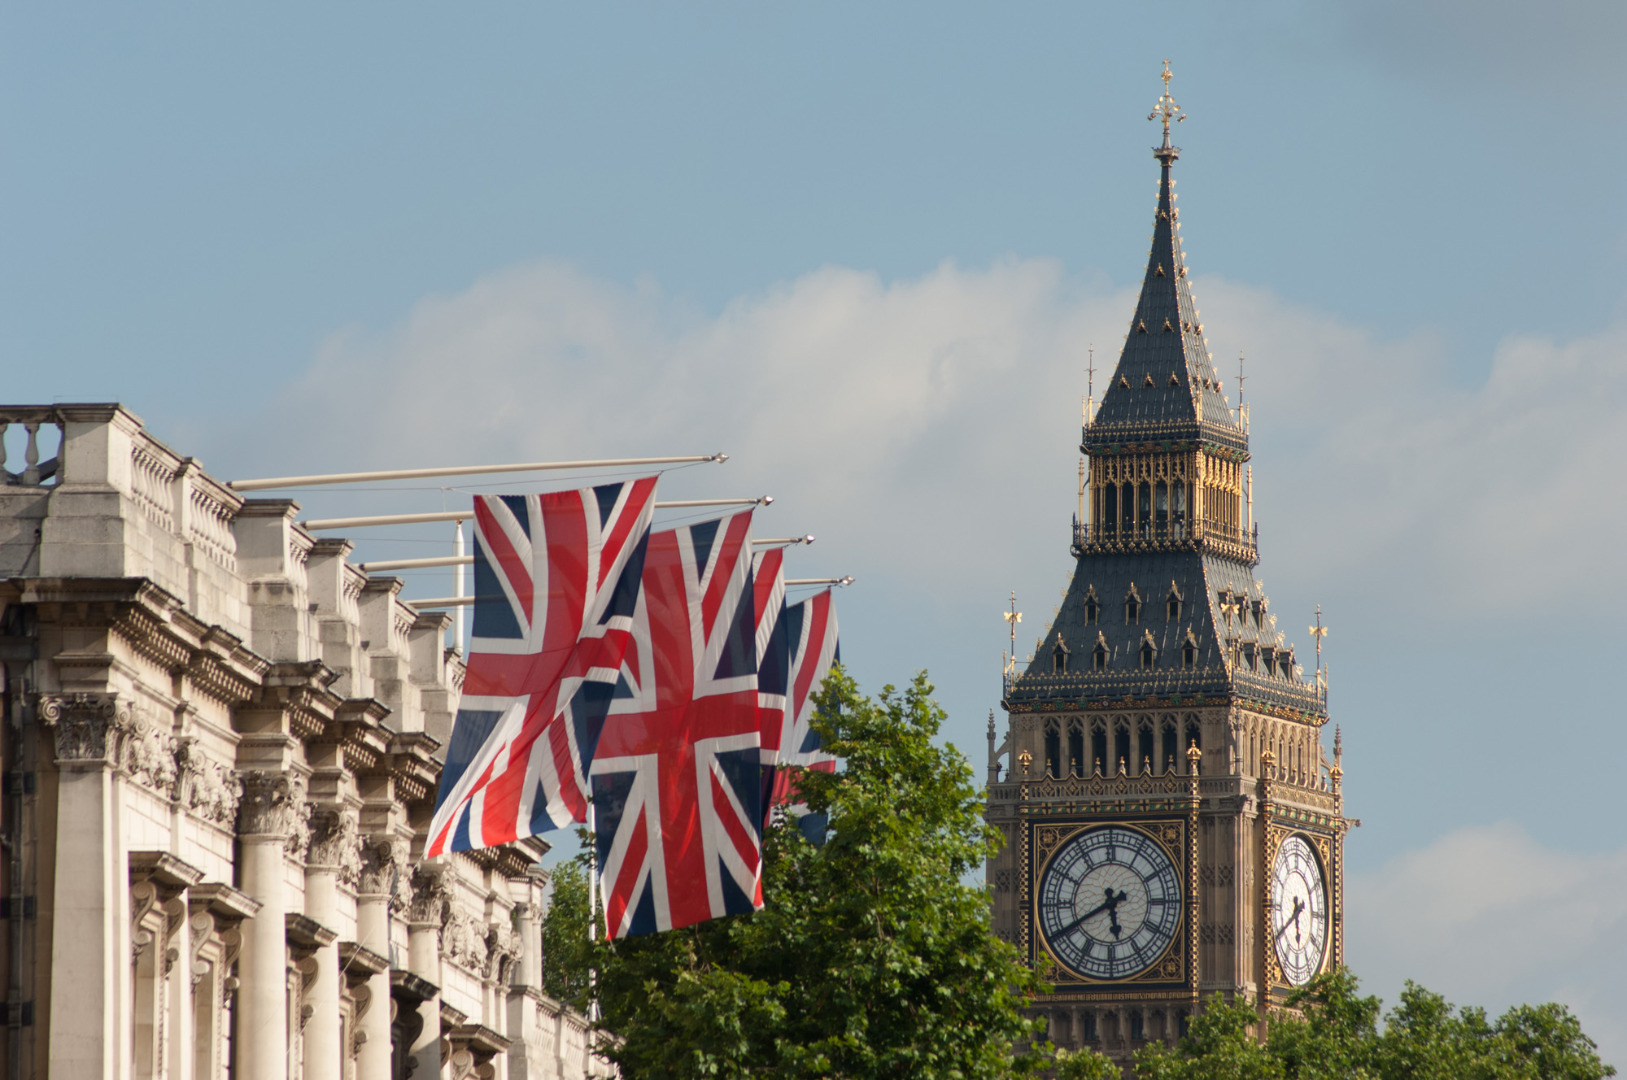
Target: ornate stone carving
pixel 203 786
pixel 334 842
pixel 431 893
pixel 272 804
pixel 463 941
pixel 502 949
pixel 147 753
pixel 88 727
pixel 385 869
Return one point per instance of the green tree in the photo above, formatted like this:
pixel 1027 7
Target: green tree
pixel 566 950
pixel 1331 1032
pixel 870 958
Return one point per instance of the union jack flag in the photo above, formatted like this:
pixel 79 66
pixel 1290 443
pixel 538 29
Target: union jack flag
pixel 676 774
pixel 808 636
pixel 773 662
pixel 556 580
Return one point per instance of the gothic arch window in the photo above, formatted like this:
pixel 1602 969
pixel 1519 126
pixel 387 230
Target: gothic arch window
pixel 1093 607
pixel 1149 651
pixel 1177 509
pixel 1121 746
pixel 1053 749
pixel 1098 748
pixel 1059 657
pixel 1099 655
pixel 1194 733
pixel 1132 606
pixel 1161 509
pixel 1146 753
pixel 1110 509
pixel 1076 748
pixel 1173 603
pixel 1144 510
pixel 1172 744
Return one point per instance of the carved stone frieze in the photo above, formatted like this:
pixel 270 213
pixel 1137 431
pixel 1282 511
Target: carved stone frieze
pixel 335 842
pixel 463 940
pixel 502 949
pixel 146 753
pixel 88 728
pixel 204 787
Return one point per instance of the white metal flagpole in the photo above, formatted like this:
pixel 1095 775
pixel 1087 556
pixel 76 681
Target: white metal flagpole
pixel 457 611
pixel 460 470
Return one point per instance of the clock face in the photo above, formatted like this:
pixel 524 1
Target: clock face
pixel 1299 910
pixel 1109 902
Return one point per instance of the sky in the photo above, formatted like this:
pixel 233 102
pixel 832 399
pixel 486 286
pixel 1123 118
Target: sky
pixel 867 250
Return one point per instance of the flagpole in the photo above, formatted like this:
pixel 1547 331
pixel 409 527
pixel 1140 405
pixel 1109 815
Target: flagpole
pixel 593 912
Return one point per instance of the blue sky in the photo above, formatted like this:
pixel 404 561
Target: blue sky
pixel 865 249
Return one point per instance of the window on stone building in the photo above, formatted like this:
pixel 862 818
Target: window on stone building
pixel 1093 607
pixel 1087 1027
pixel 1076 749
pixel 1138 1026
pixel 1098 656
pixel 1132 607
pixel 1172 605
pixel 1172 746
pixel 1189 652
pixel 1161 510
pixel 1194 734
pixel 1059 658
pixel 1144 510
pixel 1177 509
pixel 1098 750
pixel 1146 754
pixel 1110 509
pixel 1053 750
pixel 1148 654
pixel 1121 747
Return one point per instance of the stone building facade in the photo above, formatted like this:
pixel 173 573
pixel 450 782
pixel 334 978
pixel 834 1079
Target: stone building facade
pixel 220 747
pixel 1173 825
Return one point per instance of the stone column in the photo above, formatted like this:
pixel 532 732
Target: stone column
pixel 265 819
pixel 383 865
pixel 333 857
pixel 428 911
pixel 87 921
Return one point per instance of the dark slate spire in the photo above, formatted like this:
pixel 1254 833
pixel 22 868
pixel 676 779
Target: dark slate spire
pixel 1165 387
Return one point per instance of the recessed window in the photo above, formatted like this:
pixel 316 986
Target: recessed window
pixel 1093 607
pixel 1189 653
pixel 1098 749
pixel 1076 749
pixel 1053 750
pixel 1172 604
pixel 1132 607
pixel 1059 658
pixel 1148 654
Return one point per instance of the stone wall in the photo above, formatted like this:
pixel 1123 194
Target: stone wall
pixel 221 750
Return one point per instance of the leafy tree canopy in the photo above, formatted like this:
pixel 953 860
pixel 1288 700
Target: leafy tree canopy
pixel 870 957
pixel 1337 1036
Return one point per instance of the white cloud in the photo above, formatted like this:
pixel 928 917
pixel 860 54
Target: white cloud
pixel 926 428
pixel 1486 916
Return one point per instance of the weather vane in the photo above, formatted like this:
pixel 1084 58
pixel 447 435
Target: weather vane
pixel 1013 617
pixel 1166 107
pixel 1319 632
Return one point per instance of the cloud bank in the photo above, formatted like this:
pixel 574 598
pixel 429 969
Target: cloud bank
pixel 1489 917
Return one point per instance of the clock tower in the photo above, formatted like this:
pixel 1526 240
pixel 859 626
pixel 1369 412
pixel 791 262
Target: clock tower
pixel 1173 827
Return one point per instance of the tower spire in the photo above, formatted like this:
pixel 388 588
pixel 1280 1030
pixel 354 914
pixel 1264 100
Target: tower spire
pixel 1167 110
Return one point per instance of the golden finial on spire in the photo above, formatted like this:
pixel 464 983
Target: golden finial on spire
pixel 1166 109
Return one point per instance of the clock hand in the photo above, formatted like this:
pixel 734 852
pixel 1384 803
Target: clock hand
pixel 1299 905
pixel 1109 905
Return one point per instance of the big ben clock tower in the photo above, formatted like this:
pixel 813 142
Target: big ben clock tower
pixel 1173 828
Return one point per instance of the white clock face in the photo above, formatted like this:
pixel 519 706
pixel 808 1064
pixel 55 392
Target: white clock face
pixel 1109 903
pixel 1299 911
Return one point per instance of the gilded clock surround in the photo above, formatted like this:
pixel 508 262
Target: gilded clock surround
pixel 1162 696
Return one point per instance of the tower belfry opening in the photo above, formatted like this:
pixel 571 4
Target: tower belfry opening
pixel 1180 698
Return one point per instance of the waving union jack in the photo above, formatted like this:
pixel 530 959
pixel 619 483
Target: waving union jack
pixel 676 774
pixel 808 636
pixel 556 580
